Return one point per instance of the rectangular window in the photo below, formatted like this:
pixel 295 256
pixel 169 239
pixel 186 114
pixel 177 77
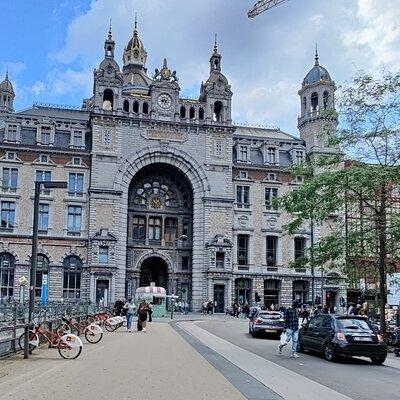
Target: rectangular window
pixel 45 135
pixel 243 175
pixel 185 263
pixel 44 176
pixel 139 228
pixel 75 184
pixel 74 219
pixel 243 196
pixel 43 217
pixel 186 228
pixel 299 157
pixel 218 148
pixel 170 229
pixel 76 161
pixel 243 153
pixel 10 155
pixel 271 155
pixel 77 138
pixel 10 178
pixel 270 194
pixel 272 244
pixel 154 228
pixel 103 254
pixel 271 176
pixel 220 259
pixel 242 249
pixel 12 133
pixel 299 247
pixel 7 214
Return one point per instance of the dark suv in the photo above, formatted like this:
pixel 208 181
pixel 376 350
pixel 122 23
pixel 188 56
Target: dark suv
pixel 343 335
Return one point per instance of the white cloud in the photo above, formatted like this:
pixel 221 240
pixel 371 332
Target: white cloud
pixel 37 88
pixel 61 82
pixel 14 68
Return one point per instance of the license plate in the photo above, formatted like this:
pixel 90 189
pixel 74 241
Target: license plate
pixel 362 339
pixel 271 330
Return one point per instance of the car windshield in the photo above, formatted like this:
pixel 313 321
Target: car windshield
pixel 353 324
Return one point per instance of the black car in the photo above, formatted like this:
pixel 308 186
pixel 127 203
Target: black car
pixel 342 335
pixel 266 322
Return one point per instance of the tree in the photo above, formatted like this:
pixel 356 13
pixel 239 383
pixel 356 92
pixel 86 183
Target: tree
pixel 358 201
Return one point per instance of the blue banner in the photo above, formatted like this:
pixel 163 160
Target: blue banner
pixel 45 289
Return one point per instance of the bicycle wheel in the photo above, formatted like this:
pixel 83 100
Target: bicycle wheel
pixel 62 329
pixel 68 352
pixel 93 335
pixel 109 327
pixel 33 340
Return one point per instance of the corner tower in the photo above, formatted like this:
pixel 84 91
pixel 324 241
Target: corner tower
pixel 216 92
pixel 7 95
pixel 317 102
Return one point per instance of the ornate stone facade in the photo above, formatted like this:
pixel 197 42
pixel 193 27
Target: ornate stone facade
pixel 162 189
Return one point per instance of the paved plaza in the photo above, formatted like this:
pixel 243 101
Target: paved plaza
pixel 196 357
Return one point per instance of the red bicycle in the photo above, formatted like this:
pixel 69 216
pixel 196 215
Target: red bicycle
pixel 69 346
pixel 93 333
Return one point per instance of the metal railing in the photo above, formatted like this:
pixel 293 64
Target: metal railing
pixel 14 320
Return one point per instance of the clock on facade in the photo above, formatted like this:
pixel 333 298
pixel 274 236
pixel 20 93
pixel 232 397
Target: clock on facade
pixel 164 101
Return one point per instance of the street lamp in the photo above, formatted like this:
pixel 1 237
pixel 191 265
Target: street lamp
pixel 182 237
pixel 38 186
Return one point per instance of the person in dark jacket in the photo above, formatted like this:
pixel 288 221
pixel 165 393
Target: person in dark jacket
pixel 291 329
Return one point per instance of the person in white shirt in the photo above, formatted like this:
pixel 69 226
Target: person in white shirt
pixel 130 311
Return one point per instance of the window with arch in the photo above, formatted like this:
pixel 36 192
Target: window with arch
pixel 183 112
pixel 314 101
pixel 109 51
pixel 217 111
pixel 135 107
pixel 145 107
pixel 126 106
pixel 201 113
pixel 7 268
pixel 42 268
pixel 192 113
pixel 108 100
pixel 72 268
pixel 326 100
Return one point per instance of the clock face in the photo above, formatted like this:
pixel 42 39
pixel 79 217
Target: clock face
pixel 155 202
pixel 164 101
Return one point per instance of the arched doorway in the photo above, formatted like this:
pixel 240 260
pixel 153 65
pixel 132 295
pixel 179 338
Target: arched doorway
pixel 154 270
pixel 160 220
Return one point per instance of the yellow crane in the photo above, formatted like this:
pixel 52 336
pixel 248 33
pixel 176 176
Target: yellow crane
pixel 263 5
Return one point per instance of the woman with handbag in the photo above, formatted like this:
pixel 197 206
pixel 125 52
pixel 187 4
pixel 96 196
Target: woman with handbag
pixel 142 315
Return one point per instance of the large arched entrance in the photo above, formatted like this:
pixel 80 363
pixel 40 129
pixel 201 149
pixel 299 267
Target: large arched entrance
pixel 154 270
pixel 160 220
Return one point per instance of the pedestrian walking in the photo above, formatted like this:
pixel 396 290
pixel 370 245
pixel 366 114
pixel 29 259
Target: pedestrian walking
pixel 205 307
pixel 150 312
pixel 130 308
pixel 118 307
pixel 305 315
pixel 142 315
pixel 291 329
pixel 235 307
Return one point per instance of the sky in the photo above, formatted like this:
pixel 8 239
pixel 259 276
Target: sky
pixel 51 47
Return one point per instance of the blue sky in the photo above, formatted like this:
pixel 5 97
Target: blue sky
pixel 51 47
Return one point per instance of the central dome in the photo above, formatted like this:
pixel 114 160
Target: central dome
pixel 316 74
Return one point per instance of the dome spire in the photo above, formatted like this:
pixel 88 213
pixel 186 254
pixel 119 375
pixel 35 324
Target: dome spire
pixel 135 52
pixel 215 43
pixel 110 31
pixel 316 54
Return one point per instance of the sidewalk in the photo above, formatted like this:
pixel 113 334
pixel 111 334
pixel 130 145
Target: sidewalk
pixel 156 365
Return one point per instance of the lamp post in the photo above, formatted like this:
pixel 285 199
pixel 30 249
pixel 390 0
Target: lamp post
pixel 182 237
pixel 32 282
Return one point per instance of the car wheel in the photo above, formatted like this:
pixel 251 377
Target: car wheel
pixel 249 330
pixel 397 353
pixel 300 347
pixel 378 360
pixel 254 334
pixel 329 353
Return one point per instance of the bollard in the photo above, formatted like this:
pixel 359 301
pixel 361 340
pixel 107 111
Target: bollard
pixel 26 342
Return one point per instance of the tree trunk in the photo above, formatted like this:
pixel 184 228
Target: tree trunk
pixel 382 261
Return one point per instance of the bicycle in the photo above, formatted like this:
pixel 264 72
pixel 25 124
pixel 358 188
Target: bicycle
pixel 69 346
pixel 93 333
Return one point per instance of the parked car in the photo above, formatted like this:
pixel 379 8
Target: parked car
pixel 348 336
pixel 266 322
